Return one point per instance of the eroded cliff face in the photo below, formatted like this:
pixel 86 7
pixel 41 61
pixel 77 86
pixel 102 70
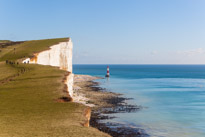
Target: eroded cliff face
pixel 59 55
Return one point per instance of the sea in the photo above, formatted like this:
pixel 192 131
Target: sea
pixel 172 97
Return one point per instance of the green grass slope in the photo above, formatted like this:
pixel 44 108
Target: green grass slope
pixel 28 48
pixel 29 94
pixel 7 71
pixel 4 41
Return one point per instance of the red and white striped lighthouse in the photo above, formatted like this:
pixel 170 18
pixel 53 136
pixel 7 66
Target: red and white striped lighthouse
pixel 108 72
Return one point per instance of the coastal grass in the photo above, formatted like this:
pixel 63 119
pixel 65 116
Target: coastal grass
pixel 5 41
pixel 28 48
pixel 29 101
pixel 7 71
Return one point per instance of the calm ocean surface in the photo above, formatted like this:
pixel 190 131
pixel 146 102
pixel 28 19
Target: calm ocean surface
pixel 172 96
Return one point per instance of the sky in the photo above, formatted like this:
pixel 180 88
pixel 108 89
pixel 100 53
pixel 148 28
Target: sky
pixel 113 31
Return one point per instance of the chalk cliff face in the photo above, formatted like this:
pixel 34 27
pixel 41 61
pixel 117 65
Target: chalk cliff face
pixel 59 55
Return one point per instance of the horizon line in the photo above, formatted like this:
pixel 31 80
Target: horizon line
pixel 138 64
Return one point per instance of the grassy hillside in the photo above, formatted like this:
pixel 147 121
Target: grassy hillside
pixel 28 48
pixel 29 95
pixel 4 41
pixel 7 71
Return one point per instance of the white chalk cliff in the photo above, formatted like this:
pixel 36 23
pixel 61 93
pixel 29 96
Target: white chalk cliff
pixel 59 55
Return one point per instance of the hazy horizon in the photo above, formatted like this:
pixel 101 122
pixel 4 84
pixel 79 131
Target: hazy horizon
pixel 113 32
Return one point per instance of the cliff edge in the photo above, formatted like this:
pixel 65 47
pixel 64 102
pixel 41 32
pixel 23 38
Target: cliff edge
pixel 59 55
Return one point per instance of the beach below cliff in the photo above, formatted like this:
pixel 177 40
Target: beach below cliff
pixel 103 103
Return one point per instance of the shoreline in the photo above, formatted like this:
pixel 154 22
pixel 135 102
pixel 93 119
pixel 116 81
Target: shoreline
pixel 103 103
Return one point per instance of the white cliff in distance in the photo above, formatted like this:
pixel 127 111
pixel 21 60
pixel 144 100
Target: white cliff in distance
pixel 59 55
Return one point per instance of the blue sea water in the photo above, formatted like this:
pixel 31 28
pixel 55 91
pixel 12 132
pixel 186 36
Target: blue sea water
pixel 172 96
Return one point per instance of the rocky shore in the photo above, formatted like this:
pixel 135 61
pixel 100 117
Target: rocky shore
pixel 103 103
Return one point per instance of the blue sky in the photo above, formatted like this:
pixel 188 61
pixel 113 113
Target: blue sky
pixel 113 31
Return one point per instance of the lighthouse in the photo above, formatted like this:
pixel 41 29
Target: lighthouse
pixel 108 72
